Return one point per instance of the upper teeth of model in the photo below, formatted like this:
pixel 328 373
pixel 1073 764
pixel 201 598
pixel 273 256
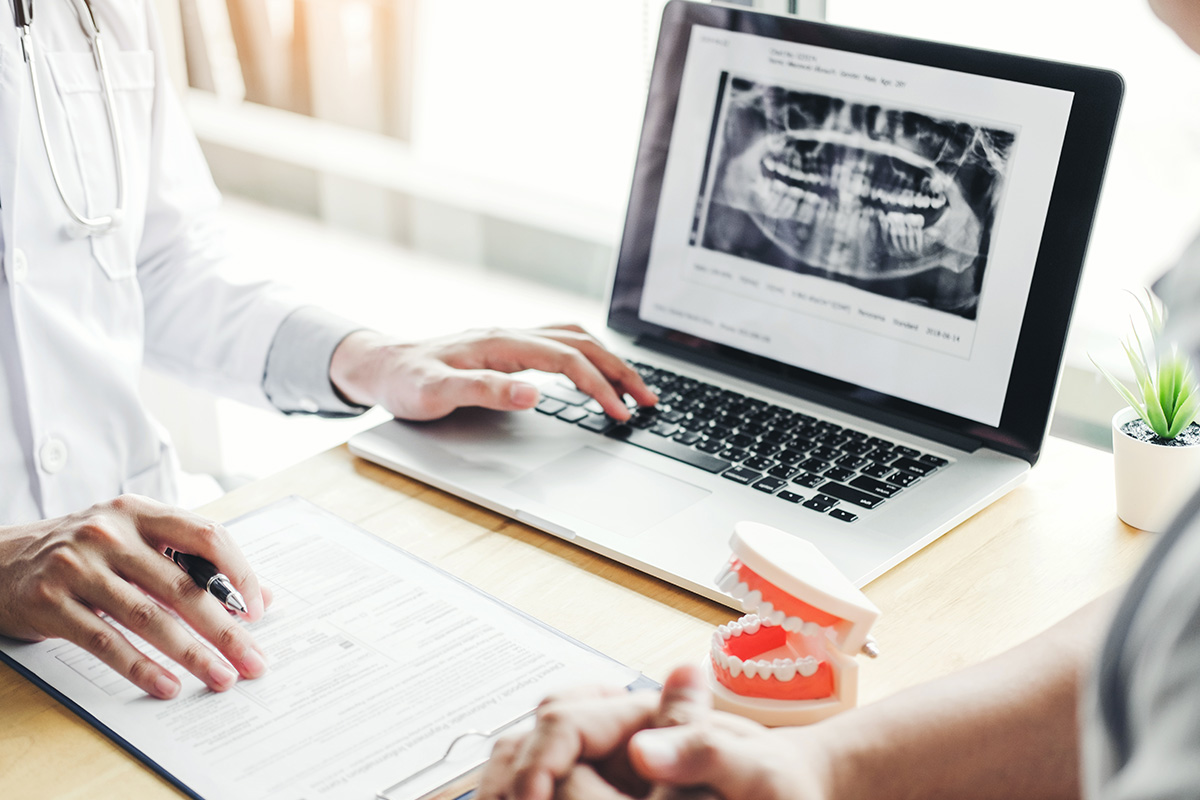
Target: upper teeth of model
pixel 783 669
pixel 752 601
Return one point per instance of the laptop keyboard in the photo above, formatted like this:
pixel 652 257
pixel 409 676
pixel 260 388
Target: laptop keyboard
pixel 798 458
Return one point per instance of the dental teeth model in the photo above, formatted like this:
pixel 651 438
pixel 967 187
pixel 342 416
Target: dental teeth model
pixel 790 660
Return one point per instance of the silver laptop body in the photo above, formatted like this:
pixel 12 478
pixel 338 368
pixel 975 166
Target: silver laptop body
pixel 876 241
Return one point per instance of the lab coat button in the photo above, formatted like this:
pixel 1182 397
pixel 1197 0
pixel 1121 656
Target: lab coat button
pixel 20 266
pixel 53 456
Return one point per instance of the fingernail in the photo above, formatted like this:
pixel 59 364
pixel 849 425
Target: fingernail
pixel 165 688
pixel 253 664
pixel 221 675
pixel 523 394
pixel 659 747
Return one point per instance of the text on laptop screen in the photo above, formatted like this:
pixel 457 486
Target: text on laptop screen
pixel 871 220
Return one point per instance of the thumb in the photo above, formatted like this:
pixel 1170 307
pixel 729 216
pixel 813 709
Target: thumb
pixel 685 698
pixel 696 755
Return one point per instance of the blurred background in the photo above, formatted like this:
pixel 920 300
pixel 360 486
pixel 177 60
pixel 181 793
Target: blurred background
pixel 375 153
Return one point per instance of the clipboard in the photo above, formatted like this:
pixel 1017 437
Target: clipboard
pixel 64 671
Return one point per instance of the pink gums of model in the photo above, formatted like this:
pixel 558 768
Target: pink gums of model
pixel 790 660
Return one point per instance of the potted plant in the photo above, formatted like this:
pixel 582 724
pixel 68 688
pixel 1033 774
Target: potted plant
pixel 1156 442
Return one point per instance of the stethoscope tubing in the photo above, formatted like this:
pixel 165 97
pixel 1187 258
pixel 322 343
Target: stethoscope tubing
pixel 92 226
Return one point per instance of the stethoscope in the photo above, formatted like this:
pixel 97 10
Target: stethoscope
pixel 84 226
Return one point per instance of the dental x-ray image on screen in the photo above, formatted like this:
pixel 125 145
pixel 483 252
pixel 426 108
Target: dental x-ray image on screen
pixel 896 202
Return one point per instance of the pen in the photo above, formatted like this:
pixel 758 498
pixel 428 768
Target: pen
pixel 207 578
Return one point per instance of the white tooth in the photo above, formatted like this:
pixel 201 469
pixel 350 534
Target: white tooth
pixel 922 201
pixel 750 668
pixel 792 624
pixel 735 628
pixel 735 666
pixel 810 629
pixel 721 659
pixel 807 666
pixel 728 582
pixel 831 634
pixel 906 198
pixel 938 201
pixel 752 600
pixel 739 590
pixel 723 630
pixel 794 192
pixel 785 671
pixel 765 608
pixel 777 617
pixel 915 220
pixel 764 668
pixel 752 625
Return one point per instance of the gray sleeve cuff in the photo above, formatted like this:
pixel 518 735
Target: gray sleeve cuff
pixel 296 377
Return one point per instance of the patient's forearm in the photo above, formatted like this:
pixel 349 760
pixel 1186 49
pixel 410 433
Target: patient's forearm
pixel 1005 728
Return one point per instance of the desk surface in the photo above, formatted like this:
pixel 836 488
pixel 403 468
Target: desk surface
pixel 1033 557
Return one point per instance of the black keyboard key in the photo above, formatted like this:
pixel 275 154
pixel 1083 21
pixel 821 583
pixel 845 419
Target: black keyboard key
pixel 912 465
pixel 790 456
pixel 734 453
pixel 843 515
pixel 565 394
pixel 814 465
pixel 739 440
pixel 825 453
pixel 770 485
pixel 839 474
pixel 808 479
pixel 759 463
pixel 572 414
pixel 876 470
pixel 849 434
pixel 851 495
pixel 875 441
pixel 599 423
pixel 782 471
pixel 882 456
pixel 822 503
pixel 791 497
pixel 665 429
pixel 742 475
pixel 548 405
pixel 852 462
pixel 764 447
pixel 902 478
pixel 933 461
pixel 876 487
pixel 666 447
pixel 856 447
pixel 906 452
pixel 710 446
pixel 672 416
pixel 688 437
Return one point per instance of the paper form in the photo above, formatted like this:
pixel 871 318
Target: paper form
pixel 378 662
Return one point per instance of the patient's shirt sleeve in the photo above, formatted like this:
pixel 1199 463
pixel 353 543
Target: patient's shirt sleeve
pixel 296 378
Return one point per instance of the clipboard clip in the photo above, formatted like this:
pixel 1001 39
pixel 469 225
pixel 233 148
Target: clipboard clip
pixel 386 794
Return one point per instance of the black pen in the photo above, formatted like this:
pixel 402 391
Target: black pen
pixel 207 578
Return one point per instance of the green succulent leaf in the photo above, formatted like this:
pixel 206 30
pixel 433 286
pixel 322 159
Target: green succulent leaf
pixel 1155 418
pixel 1184 415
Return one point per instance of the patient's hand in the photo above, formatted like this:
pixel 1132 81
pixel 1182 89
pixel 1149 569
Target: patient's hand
pixel 429 379
pixel 610 745
pixel 57 576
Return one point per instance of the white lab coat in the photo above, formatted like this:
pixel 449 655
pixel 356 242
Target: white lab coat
pixel 79 316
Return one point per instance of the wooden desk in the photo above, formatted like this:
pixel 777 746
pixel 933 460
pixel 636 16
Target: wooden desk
pixel 1041 552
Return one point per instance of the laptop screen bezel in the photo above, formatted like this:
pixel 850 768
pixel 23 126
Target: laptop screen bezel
pixel 1039 352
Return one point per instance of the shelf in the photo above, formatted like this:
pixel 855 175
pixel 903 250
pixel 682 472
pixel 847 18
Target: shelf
pixel 377 160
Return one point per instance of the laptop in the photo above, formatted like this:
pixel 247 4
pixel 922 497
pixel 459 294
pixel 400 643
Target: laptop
pixel 848 267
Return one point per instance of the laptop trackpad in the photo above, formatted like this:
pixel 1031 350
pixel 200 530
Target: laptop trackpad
pixel 607 491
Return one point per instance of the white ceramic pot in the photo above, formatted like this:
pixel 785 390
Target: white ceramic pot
pixel 1152 481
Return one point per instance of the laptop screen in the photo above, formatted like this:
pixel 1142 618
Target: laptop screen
pixel 837 213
